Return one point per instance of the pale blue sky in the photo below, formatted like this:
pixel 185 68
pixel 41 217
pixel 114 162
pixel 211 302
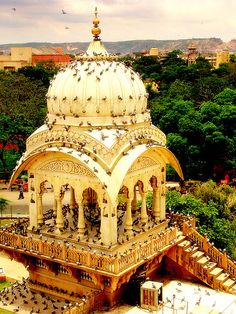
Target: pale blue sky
pixel 42 20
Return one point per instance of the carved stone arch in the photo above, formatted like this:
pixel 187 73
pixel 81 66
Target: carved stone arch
pixel 43 186
pixel 125 191
pixel 153 181
pixel 92 209
pixel 142 185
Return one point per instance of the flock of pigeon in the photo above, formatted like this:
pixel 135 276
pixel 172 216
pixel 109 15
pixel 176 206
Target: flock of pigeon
pixel 18 297
pixel 62 12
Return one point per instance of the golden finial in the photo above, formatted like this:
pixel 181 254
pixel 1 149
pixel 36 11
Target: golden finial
pixel 96 31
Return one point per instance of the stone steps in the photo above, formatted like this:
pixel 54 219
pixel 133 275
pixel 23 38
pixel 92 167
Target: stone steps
pixel 209 265
pixel 194 260
pixel 197 255
pixel 191 249
pixel 185 244
pixel 216 271
pixel 233 289
pixel 202 261
pixel 229 283
pixel 222 277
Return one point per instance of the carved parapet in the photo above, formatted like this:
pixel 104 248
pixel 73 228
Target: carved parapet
pixel 110 264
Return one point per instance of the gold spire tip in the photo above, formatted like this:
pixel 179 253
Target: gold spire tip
pixel 96 31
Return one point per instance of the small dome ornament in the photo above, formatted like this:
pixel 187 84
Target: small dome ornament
pixel 96 31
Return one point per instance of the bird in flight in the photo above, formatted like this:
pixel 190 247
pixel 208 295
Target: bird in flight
pixel 63 12
pixel 66 27
pixel 13 9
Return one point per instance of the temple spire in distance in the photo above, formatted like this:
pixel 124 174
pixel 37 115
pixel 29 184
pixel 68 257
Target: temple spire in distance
pixel 96 31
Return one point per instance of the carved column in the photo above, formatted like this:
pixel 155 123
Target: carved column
pixel 156 203
pixel 32 204
pixel 129 221
pixel 59 219
pixel 40 208
pixel 55 206
pixel 144 216
pixel 72 198
pixel 143 192
pixel 108 228
pixel 163 201
pixel 134 201
pixel 81 223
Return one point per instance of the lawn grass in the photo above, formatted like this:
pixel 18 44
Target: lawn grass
pixel 4 284
pixel 3 311
pixel 8 222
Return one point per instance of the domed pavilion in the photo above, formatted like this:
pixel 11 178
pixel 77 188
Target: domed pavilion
pixel 99 143
pixel 101 159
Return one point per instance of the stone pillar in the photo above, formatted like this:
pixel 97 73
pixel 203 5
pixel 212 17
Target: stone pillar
pixel 40 208
pixel 144 216
pixel 81 223
pixel 72 198
pixel 156 204
pixel 134 201
pixel 33 217
pixel 163 201
pixel 108 228
pixel 55 206
pixel 59 219
pixel 113 223
pixel 129 221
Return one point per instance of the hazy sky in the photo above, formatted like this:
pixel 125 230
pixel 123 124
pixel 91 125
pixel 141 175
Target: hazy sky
pixel 42 20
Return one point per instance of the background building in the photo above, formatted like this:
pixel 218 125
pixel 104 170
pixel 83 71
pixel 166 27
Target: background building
pixel 26 56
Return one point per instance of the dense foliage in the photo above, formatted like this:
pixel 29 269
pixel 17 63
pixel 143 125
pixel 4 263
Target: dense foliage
pixel 215 210
pixel 195 106
pixel 22 110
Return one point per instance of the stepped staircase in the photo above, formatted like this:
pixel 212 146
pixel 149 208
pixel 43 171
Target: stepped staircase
pixel 201 258
pixel 198 263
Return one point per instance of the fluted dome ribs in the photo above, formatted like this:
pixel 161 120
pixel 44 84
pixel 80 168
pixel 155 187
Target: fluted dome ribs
pixel 105 88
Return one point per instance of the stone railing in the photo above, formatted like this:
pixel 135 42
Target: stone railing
pixel 20 225
pixel 112 264
pixel 181 220
pixel 88 305
pixel 203 243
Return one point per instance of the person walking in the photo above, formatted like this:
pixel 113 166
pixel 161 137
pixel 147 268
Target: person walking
pixel 21 195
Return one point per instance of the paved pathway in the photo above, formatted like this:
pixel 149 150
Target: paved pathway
pixel 13 270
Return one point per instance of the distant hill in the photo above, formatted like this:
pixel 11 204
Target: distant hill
pixel 125 47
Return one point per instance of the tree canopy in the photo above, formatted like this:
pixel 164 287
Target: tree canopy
pixel 215 210
pixel 22 110
pixel 195 107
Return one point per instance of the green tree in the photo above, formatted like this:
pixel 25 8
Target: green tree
pixel 42 72
pixel 22 110
pixel 210 219
pixel 181 90
pixel 206 88
pixel 3 204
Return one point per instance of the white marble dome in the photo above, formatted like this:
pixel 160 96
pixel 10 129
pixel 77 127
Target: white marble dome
pixel 99 88
pixel 97 85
